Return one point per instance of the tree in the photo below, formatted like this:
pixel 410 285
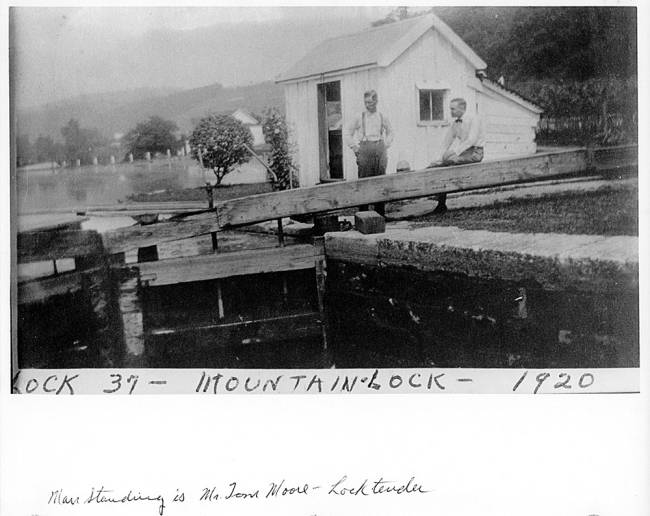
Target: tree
pixel 81 143
pixel 153 135
pixel 45 149
pixel 219 143
pixel 281 162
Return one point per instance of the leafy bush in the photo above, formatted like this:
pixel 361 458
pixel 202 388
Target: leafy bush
pixel 219 142
pixel 281 162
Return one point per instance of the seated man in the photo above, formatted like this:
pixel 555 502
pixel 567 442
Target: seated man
pixel 463 143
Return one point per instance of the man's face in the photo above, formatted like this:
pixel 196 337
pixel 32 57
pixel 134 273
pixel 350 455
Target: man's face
pixel 371 103
pixel 456 110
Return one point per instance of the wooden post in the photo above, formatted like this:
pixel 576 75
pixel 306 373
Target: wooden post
pixel 147 156
pixel 210 191
pixel 320 288
pixel 112 160
pixel 131 315
pixel 130 157
pixel 78 162
pixel 96 285
pixel 95 161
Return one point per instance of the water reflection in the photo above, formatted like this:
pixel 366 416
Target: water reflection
pixel 102 184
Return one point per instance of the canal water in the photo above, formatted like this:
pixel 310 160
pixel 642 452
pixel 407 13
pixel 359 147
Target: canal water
pixel 72 189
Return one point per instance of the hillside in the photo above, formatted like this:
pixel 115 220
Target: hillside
pixel 118 112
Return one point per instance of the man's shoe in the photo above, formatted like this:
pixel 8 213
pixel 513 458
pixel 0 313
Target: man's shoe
pixel 441 209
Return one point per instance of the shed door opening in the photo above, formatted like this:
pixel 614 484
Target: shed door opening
pixel 330 140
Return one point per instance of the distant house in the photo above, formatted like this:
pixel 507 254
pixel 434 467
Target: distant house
pixel 255 126
pixel 417 66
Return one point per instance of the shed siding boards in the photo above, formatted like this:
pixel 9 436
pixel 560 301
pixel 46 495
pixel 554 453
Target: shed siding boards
pixel 430 62
pixel 509 127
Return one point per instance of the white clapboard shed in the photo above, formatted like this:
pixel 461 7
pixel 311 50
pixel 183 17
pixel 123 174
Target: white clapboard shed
pixel 416 66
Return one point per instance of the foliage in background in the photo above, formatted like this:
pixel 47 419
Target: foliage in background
pixel 277 135
pixel 596 111
pixel 153 135
pixel 562 43
pixel 221 141
pixel 44 149
pixel 82 143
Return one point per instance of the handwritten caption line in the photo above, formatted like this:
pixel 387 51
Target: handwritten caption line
pixel 234 492
pixel 191 381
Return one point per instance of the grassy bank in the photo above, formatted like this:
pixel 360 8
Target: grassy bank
pixel 607 211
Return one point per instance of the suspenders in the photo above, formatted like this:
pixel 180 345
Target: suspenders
pixel 363 125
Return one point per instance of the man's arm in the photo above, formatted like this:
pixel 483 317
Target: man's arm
pixel 388 132
pixel 472 136
pixel 350 136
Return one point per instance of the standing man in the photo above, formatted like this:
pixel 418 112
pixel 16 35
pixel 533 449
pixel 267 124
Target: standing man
pixel 463 143
pixel 369 137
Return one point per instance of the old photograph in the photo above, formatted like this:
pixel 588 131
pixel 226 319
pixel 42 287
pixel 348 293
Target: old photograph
pixel 324 187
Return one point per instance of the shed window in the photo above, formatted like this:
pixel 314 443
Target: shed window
pixel 432 105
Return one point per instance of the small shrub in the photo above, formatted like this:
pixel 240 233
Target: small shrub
pixel 281 162
pixel 219 142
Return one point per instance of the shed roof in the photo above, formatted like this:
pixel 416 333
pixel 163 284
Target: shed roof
pixel 512 95
pixel 377 46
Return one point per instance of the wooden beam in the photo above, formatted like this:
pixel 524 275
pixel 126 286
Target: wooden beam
pixel 225 265
pixel 39 290
pixel 335 196
pixel 272 329
pixel 37 246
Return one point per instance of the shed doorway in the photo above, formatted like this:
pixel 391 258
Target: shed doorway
pixel 330 137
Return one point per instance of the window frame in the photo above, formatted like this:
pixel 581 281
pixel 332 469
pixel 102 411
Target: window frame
pixel 445 105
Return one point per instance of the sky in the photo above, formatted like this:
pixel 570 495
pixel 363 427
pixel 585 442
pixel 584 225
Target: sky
pixel 60 53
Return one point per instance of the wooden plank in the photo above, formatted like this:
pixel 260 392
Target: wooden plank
pixel 225 265
pixel 272 329
pixel 39 290
pixel 37 246
pixel 335 196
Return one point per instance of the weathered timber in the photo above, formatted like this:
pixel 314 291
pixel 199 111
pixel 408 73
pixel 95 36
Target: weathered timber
pixel 39 290
pixel 225 265
pixel 334 196
pixel 321 277
pixel 37 246
pixel 270 329
pixel 99 294
pixel 131 314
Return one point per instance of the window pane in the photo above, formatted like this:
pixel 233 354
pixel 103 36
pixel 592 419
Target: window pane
pixel 437 98
pixel 425 105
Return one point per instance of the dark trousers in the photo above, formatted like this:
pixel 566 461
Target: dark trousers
pixel 371 161
pixel 471 155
